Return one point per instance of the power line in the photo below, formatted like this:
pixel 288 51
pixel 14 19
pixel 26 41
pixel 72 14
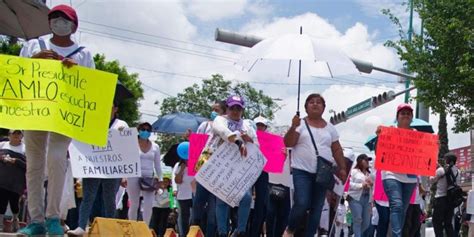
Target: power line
pixel 157 45
pixel 251 82
pixel 158 36
pixel 157 90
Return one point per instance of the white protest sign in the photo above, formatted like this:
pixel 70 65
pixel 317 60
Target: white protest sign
pixel 119 159
pixel 470 203
pixel 228 175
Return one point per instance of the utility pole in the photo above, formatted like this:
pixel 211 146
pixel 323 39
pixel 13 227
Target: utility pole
pixel 410 33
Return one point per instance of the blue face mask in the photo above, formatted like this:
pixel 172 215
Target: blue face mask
pixel 214 114
pixel 143 134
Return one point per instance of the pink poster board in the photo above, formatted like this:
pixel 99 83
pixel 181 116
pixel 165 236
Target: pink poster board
pixel 272 147
pixel 197 142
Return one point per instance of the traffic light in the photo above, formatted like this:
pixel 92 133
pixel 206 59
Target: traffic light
pixel 338 118
pixel 383 98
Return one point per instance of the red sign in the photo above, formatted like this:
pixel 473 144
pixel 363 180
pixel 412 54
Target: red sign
pixel 464 162
pixel 406 151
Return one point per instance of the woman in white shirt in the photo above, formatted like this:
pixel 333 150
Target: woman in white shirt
pixel 231 128
pixel 359 193
pixel 151 169
pixel 309 194
pixel 184 195
pixel 398 186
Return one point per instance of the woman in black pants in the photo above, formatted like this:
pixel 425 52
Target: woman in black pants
pixel 12 175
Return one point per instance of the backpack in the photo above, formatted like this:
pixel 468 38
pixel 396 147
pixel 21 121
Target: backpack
pixel 454 193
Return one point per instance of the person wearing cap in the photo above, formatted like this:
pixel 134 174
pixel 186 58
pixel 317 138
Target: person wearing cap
pixel 42 145
pixel 12 175
pixel 260 190
pixel 442 210
pixel 359 195
pixel 310 195
pixel 231 128
pixel 399 187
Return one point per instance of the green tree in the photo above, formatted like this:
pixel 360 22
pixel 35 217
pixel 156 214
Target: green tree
pixel 198 99
pixel 442 57
pixel 128 109
pixel 6 47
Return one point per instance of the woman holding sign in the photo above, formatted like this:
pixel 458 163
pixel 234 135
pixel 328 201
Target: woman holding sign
pixel 399 187
pixel 316 146
pixel 231 128
pixel 148 183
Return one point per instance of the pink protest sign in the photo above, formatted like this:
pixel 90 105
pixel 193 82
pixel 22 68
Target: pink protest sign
pixel 348 181
pixel 272 147
pixel 197 142
pixel 379 193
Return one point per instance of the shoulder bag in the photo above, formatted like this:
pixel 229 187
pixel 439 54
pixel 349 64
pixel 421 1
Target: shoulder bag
pixel 324 169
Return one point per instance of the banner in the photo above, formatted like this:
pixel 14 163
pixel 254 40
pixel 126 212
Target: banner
pixel 40 94
pixel 406 151
pixel 228 175
pixel 197 142
pixel 272 147
pixel 120 158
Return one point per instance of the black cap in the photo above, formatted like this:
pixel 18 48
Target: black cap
pixel 363 157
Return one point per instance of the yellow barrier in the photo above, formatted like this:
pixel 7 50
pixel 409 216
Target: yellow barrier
pixel 170 233
pixel 106 227
pixel 195 231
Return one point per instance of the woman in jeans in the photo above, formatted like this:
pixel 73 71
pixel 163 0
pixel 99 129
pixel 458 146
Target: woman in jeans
pixel 204 202
pixel 150 163
pixel 231 128
pixel 360 191
pixel 90 187
pixel 310 195
pixel 399 187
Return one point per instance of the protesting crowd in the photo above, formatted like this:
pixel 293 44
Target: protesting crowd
pixel 321 188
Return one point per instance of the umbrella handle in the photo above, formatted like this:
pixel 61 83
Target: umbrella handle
pixel 298 113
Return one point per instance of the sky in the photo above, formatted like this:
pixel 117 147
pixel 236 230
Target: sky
pixel 171 45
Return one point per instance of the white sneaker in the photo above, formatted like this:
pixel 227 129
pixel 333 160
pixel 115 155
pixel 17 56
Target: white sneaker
pixel 77 232
pixel 66 228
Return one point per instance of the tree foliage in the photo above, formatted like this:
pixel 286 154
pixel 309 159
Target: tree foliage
pixel 442 57
pixel 198 99
pixel 128 109
pixel 7 48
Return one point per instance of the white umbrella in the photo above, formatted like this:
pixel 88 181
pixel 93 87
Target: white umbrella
pixel 283 54
pixel 24 18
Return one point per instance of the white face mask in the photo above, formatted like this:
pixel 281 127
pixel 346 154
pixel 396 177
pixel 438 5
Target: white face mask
pixel 61 26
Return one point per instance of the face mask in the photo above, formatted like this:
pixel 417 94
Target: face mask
pixel 61 26
pixel 143 134
pixel 214 114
